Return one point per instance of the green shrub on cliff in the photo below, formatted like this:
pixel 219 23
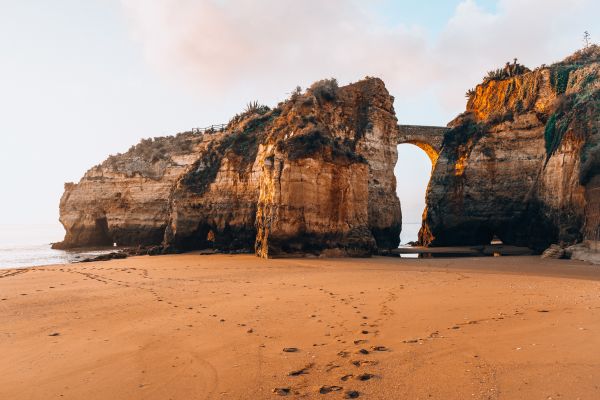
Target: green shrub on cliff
pixel 495 74
pixel 325 89
pixel 508 71
pixel 153 150
pixel 559 78
pixel 309 144
pixel 584 56
pixel 252 108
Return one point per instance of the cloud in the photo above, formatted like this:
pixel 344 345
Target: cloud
pixel 267 47
pixel 273 44
pixel 534 31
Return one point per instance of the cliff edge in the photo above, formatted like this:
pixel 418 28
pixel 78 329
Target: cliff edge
pixel 313 175
pixel 522 162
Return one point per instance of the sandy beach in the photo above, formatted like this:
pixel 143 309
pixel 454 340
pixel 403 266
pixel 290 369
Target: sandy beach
pixel 215 327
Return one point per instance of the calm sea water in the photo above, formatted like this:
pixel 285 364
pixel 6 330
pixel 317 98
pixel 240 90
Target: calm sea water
pixel 29 245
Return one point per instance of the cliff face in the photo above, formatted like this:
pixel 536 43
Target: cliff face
pixel 313 175
pixel 327 178
pixel 214 202
pixel 126 198
pixel 519 162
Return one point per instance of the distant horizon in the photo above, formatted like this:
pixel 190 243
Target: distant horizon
pixel 86 80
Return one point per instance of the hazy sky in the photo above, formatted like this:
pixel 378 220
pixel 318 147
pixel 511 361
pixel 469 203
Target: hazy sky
pixel 80 80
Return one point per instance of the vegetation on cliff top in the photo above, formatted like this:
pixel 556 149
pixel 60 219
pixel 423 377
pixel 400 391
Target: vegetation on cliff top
pixel 508 71
pixel 159 148
pixel 253 109
pixel 142 157
pixel 574 112
pixel 306 145
pixel 325 89
pixel 578 111
pixel 588 54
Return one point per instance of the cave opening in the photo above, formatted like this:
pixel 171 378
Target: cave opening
pixel 413 171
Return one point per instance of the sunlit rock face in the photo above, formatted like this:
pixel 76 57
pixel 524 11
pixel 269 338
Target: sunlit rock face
pixel 519 162
pixel 327 180
pixel 314 175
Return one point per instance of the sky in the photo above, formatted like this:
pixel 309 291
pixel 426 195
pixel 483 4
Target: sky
pixel 80 80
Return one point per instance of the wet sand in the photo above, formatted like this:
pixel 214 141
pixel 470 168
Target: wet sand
pixel 215 327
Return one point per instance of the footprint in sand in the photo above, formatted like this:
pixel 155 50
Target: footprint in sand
pixel 365 377
pixel 284 391
pixel 301 371
pixel 379 348
pixel 361 363
pixel 329 389
pixel 290 350
pixel 331 366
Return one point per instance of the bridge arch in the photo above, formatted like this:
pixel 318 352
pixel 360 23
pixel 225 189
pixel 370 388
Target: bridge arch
pixel 413 173
pixel 428 138
pixel 431 152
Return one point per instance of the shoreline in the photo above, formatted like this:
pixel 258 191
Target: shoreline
pixel 211 327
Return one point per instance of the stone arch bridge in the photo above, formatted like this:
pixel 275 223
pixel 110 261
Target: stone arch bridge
pixel 428 138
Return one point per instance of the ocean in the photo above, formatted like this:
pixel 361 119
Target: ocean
pixel 29 245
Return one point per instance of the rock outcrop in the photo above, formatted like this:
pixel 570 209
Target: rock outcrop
pixel 125 200
pixel 326 181
pixel 522 162
pixel 314 175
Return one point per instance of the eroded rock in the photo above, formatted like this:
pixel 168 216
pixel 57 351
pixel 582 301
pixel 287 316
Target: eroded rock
pixel 522 161
pixel 312 176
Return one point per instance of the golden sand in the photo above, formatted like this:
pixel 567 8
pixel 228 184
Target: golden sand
pixel 214 327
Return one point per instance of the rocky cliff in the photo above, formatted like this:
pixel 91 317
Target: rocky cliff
pixel 314 175
pixel 126 198
pixel 522 161
pixel 326 181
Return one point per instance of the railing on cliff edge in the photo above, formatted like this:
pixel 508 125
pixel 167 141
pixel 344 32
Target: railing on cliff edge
pixel 210 129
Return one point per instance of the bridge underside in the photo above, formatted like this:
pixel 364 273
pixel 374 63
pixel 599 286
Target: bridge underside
pixel 428 138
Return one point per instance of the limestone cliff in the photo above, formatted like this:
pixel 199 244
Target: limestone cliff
pixel 312 175
pixel 126 198
pixel 316 173
pixel 326 181
pixel 522 161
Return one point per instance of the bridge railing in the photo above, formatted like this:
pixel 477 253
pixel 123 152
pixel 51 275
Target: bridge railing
pixel 210 129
